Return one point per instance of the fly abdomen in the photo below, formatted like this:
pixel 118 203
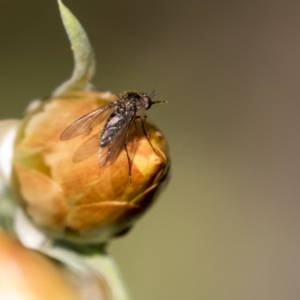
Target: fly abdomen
pixel 112 129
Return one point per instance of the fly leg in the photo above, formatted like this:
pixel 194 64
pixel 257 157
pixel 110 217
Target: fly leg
pixel 129 161
pixel 143 120
pixel 127 153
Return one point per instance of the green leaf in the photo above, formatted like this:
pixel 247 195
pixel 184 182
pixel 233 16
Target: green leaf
pixel 85 65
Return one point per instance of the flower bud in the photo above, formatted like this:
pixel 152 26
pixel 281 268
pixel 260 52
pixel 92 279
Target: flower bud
pixel 27 275
pixel 60 184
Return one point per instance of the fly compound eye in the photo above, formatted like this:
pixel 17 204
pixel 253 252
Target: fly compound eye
pixel 148 102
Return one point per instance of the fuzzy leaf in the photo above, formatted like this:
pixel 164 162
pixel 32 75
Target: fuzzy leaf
pixel 84 68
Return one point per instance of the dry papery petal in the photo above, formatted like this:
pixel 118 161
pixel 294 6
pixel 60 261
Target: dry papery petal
pixel 27 275
pixel 60 184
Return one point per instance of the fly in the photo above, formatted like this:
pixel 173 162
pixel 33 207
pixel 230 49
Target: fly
pixel 119 116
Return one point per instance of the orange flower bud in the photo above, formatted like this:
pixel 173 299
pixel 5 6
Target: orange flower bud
pixel 59 183
pixel 27 275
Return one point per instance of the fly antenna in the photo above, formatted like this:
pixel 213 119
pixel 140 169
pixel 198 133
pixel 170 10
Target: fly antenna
pixel 152 95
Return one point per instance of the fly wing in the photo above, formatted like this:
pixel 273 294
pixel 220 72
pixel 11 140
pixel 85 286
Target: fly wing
pixel 107 155
pixel 85 124
pixel 87 149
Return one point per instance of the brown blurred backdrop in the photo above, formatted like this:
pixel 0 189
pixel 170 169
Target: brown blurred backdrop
pixel 228 225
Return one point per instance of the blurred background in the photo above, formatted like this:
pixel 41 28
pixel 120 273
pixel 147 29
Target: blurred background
pixel 228 225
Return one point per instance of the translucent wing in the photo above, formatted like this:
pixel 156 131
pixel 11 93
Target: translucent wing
pixel 87 149
pixel 85 124
pixel 109 154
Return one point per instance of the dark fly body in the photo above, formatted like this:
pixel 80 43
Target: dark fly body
pixel 119 116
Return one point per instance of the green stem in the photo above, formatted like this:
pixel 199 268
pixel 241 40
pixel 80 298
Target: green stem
pixel 91 269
